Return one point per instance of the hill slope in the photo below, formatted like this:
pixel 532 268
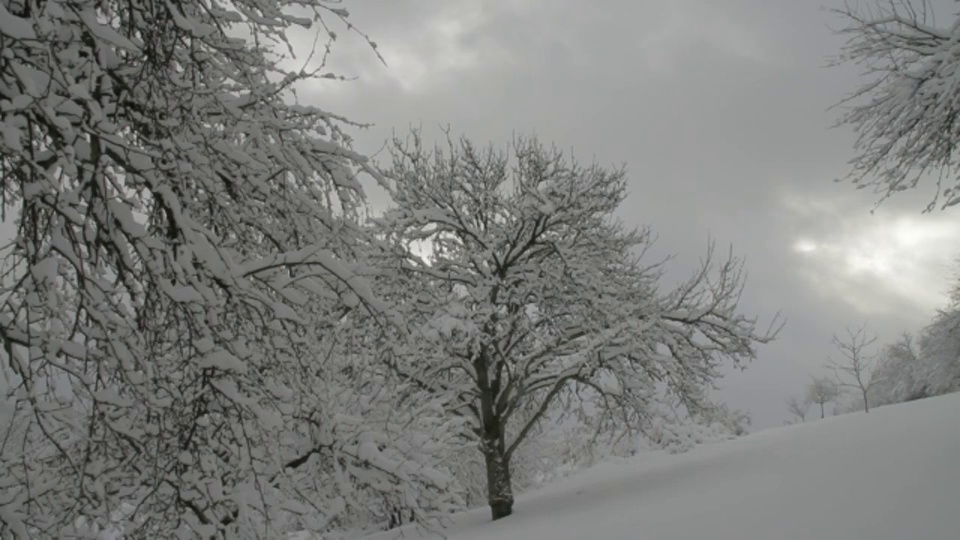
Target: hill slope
pixel 893 474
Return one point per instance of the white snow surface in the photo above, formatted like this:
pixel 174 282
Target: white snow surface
pixel 892 474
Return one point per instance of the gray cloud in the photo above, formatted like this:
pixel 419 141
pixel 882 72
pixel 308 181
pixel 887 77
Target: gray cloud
pixel 719 110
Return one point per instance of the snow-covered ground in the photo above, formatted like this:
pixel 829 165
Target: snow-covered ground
pixel 893 474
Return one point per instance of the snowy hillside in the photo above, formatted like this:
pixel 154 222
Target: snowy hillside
pixel 891 475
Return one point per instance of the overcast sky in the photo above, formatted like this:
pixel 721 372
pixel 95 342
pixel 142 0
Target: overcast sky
pixel 720 112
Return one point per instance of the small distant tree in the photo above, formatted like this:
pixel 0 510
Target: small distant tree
pixel 798 407
pixel 854 371
pixel 822 391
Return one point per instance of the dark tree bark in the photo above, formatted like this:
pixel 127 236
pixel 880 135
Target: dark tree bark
pixel 499 484
pixel 493 437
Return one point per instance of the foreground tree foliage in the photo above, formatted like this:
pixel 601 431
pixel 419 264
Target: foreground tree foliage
pixel 183 258
pixel 534 302
pixel 906 115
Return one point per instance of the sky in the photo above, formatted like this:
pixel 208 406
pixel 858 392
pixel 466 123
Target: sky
pixel 721 112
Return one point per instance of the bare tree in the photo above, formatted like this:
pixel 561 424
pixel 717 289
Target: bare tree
pixel 822 391
pixel 907 116
pixel 798 408
pixel 855 370
pixel 533 297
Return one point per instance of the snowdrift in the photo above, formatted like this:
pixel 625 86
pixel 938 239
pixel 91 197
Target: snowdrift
pixel 893 474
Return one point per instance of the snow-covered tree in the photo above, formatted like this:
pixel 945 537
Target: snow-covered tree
pixel 184 253
pixel 906 116
pixel 908 370
pixel 799 407
pixel 855 369
pixel 939 371
pixel 734 421
pixel 822 391
pixel 387 459
pixel 533 300
pixel 682 431
pixel 899 373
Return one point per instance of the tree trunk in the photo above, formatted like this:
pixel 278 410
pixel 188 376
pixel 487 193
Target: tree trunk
pixel 822 415
pixel 499 486
pixel 866 402
pixel 492 432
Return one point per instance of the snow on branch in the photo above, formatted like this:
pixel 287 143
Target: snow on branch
pixel 905 116
pixel 187 249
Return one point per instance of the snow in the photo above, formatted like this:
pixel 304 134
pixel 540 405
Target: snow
pixel 891 474
pixel 223 360
pixel 15 27
pixel 106 33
